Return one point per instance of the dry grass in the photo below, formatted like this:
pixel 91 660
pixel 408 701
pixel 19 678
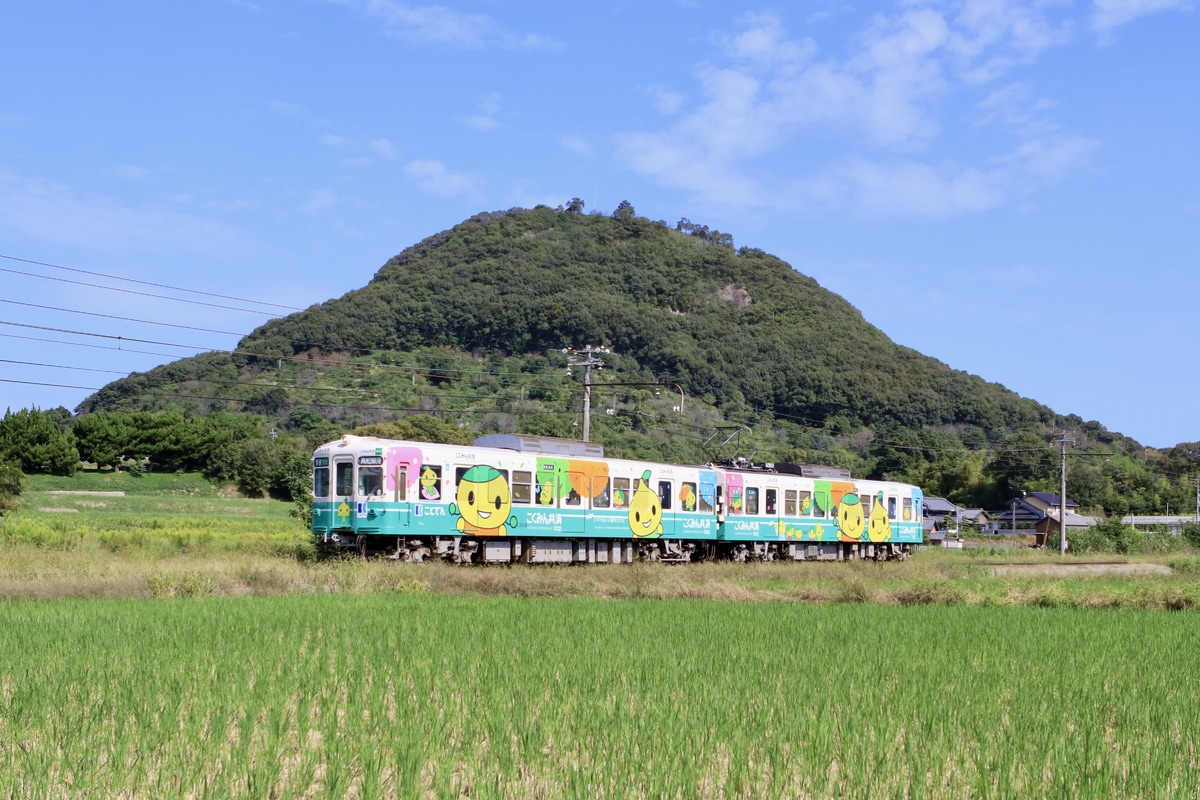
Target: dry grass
pixel 930 578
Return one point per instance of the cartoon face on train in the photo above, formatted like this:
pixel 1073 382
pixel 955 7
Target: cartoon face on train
pixel 645 510
pixel 850 518
pixel 879 527
pixel 483 502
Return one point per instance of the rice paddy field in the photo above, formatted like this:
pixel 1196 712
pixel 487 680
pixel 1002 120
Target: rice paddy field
pixel 175 641
pixel 427 695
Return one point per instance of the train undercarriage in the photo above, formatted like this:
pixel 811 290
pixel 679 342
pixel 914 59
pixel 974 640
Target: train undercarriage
pixel 520 550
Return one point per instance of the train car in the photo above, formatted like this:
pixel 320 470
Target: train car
pixel 540 500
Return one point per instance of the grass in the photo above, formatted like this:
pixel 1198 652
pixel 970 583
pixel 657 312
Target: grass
pixel 180 641
pixel 411 694
pixel 178 535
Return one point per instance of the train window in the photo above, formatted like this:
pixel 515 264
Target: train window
pixel 664 494
pixel 345 479
pixel 807 507
pixel 370 481
pixel 865 499
pixel 544 490
pixel 789 502
pixel 573 498
pixel 704 503
pixel 908 515
pixel 772 501
pixel 688 497
pixel 602 499
pixel 522 486
pixel 431 482
pixel 751 499
pixel 620 493
pixel 402 484
pixel 891 508
pixel 321 482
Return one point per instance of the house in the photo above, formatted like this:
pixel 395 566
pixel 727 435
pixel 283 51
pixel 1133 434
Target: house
pixel 951 517
pixel 1044 502
pixel 1074 522
pixel 1029 509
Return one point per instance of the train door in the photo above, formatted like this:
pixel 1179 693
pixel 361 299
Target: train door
pixel 344 501
pixel 398 475
pixel 670 520
pixel 771 504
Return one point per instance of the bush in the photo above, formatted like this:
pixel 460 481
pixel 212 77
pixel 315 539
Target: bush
pixel 12 482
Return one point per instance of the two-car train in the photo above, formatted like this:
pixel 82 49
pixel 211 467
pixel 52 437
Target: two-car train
pixel 531 499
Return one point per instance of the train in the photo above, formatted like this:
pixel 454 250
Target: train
pixel 511 499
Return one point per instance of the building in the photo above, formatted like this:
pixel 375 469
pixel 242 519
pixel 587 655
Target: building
pixel 952 518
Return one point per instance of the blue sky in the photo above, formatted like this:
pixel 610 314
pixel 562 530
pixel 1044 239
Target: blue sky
pixel 1010 187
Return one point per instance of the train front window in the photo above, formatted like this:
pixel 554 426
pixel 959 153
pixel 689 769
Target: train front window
pixel 344 479
pixel 370 481
pixel 321 481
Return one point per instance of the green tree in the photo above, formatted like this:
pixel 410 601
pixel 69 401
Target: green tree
pixel 12 482
pixel 35 441
pixel 1022 461
pixel 103 438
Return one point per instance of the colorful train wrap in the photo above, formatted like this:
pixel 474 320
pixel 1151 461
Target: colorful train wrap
pixel 530 499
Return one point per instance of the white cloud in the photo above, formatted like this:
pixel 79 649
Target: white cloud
pixel 445 26
pixel 664 99
pixel 56 212
pixel 383 147
pixel 907 188
pixel 1109 14
pixel 432 176
pixel 576 144
pixel 487 108
pixel 762 42
pixel 320 200
pixel 879 106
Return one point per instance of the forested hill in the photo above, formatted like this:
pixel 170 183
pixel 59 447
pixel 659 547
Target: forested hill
pixel 712 351
pixel 680 304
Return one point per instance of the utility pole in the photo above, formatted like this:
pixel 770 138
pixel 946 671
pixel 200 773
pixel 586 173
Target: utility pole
pixel 587 358
pixel 1062 498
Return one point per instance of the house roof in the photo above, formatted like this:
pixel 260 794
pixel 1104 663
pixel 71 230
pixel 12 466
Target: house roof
pixel 1074 520
pixel 939 505
pixel 1051 499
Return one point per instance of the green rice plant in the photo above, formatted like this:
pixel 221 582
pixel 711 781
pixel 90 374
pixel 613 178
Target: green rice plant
pixel 403 694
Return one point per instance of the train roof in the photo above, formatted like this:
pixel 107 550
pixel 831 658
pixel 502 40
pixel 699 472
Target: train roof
pixel 549 445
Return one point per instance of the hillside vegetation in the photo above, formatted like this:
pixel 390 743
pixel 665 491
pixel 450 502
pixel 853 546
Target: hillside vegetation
pixel 714 350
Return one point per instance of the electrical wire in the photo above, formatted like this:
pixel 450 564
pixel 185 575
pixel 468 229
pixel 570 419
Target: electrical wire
pixel 148 283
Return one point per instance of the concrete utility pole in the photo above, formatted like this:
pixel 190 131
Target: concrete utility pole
pixel 1062 498
pixel 587 358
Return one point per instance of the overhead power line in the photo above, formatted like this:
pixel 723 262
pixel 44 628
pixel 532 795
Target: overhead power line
pixel 149 283
pixel 122 319
pixel 60 366
pixel 85 344
pixel 133 291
